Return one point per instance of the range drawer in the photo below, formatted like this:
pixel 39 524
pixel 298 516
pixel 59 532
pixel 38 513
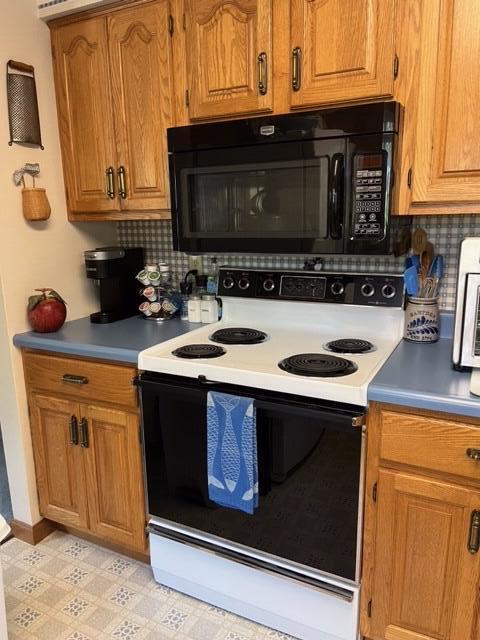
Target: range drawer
pixel 80 379
pixel 431 443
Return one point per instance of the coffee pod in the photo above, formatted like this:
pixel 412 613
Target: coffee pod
pixel 154 277
pixel 168 307
pixel 151 267
pixel 145 309
pixel 155 308
pixel 142 277
pixel 150 294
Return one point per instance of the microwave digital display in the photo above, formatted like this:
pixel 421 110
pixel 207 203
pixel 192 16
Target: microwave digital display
pixel 370 161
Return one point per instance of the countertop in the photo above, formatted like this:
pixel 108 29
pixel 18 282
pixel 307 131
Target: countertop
pixel 119 341
pixel 416 375
pixel 421 376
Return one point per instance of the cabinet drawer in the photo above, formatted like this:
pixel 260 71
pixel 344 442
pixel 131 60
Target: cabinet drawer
pixel 80 379
pixel 431 443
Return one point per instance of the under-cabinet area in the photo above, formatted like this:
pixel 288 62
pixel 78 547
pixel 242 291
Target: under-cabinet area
pixel 87 446
pixel 125 73
pixel 421 560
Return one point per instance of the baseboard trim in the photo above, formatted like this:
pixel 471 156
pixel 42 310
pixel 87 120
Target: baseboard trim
pixel 32 534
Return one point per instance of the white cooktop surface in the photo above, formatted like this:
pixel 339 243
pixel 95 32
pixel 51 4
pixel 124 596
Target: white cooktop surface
pixel 292 328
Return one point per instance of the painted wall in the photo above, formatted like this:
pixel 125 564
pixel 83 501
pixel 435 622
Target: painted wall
pixel 33 254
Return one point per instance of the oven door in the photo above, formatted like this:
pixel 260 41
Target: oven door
pixel 310 482
pixel 285 197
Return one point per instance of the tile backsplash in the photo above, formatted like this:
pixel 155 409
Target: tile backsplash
pixel 445 232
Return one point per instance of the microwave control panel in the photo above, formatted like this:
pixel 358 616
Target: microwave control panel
pixel 369 195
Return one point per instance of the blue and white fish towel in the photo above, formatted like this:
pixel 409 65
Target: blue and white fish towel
pixel 232 451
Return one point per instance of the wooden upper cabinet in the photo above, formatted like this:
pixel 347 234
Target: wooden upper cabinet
pixel 85 113
pixel 113 75
pixel 141 75
pixel 342 50
pixel 224 39
pixel 426 581
pixel 115 476
pixel 447 153
pixel 58 461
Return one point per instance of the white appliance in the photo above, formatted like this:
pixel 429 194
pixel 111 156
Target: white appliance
pixel 304 346
pixel 50 9
pixel 466 337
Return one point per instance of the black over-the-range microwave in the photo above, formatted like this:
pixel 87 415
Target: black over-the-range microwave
pixel 315 182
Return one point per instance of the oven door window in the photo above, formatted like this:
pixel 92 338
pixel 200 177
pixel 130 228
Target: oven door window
pixel 273 192
pixel 309 479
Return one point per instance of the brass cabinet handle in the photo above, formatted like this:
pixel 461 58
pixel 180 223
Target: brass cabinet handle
pixel 474 454
pixel 110 183
pixel 71 379
pixel 474 536
pixel 296 68
pixel 83 426
pixel 73 429
pixel 122 191
pixel 262 73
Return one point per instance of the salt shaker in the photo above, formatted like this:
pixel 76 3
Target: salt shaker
pixel 209 309
pixel 194 309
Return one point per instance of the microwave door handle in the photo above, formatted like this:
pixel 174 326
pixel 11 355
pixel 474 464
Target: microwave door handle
pixel 335 208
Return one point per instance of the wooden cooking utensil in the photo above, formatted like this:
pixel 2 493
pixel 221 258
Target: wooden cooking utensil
pixel 419 241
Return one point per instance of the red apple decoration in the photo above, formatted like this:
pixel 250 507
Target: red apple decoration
pixel 46 311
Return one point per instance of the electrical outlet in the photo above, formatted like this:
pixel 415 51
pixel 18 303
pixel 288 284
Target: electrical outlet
pixel 195 262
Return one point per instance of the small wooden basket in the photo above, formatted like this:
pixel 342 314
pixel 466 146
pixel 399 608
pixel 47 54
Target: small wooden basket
pixel 35 204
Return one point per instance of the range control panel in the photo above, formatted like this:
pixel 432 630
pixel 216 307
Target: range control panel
pixel 384 290
pixel 369 195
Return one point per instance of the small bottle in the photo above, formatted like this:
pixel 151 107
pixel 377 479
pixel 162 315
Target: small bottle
pixel 201 284
pixel 185 290
pixel 212 277
pixel 209 309
pixel 194 309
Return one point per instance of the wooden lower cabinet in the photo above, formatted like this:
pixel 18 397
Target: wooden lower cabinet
pixel 421 561
pixel 87 452
pixel 114 476
pixel 426 582
pixel 58 462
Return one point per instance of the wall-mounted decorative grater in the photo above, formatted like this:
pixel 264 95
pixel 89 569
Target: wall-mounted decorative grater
pixel 23 116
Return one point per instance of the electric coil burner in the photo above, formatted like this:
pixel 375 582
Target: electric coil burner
pixel 350 345
pixel 238 335
pixel 194 351
pixel 318 365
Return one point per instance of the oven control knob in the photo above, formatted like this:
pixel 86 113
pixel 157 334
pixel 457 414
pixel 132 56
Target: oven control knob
pixel 337 288
pixel 243 283
pixel 388 291
pixel 269 284
pixel 228 282
pixel 367 290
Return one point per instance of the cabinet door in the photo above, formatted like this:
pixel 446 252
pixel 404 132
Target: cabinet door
pixel 447 154
pixel 345 50
pixel 58 461
pixel 85 113
pixel 141 74
pixel 114 476
pixel 224 41
pixel 426 581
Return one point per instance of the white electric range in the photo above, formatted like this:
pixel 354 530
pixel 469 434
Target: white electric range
pixel 304 347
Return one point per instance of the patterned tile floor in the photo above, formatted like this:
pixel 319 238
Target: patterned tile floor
pixel 67 588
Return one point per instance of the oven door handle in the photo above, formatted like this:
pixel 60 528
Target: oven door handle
pixel 335 205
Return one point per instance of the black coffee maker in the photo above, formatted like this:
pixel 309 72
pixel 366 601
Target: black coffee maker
pixel 115 269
